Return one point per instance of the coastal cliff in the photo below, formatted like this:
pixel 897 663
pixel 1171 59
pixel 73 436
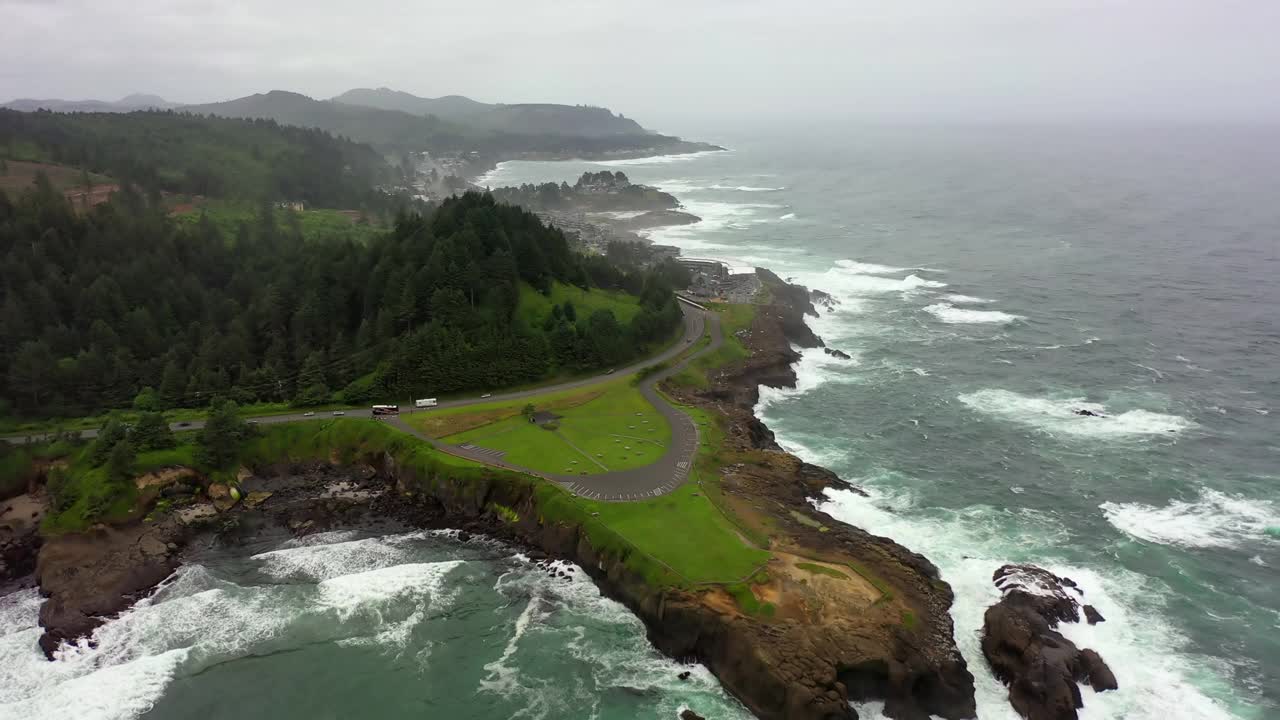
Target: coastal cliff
pixel 851 616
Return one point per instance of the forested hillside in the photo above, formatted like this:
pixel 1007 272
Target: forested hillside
pixel 214 157
pixel 523 118
pixel 97 307
pixel 520 129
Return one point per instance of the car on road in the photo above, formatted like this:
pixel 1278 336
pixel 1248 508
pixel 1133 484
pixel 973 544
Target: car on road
pixel 184 424
pixel 609 372
pixel 486 395
pixel 253 422
pixel 308 414
pixel 339 412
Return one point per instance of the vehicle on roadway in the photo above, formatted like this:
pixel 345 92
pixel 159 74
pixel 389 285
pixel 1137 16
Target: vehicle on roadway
pixel 386 410
pixel 425 403
pixel 486 395
pixel 339 412
pixel 309 413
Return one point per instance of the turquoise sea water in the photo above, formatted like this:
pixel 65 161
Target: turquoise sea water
pixel 991 282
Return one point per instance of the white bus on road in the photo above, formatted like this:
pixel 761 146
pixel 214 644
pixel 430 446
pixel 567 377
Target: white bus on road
pixel 425 403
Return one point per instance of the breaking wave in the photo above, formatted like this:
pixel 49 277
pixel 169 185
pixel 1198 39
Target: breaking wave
pixel 745 188
pixel 1156 675
pixel 964 299
pixel 1213 520
pixel 948 313
pixel 1059 416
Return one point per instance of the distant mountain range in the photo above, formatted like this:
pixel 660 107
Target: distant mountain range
pixel 529 118
pixel 397 122
pixel 129 103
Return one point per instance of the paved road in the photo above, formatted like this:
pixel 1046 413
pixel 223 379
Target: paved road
pixel 693 325
pixel 659 478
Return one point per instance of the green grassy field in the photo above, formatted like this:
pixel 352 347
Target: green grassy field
pixel 344 439
pixel 315 224
pixel 534 307
pixel 733 318
pixel 607 428
pixel 686 532
pixel 13 426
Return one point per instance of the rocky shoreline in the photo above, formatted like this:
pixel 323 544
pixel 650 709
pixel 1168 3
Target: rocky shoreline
pixel 886 634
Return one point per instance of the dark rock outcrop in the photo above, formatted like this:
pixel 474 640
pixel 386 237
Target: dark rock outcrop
pixel 1092 615
pixel 837 353
pixel 20 540
pixel 1041 667
pixel 824 300
pixel 790 304
pixel 89 577
pixel 688 714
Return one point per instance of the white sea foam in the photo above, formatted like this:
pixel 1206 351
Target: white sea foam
pixel 349 594
pixel 320 562
pixel 195 620
pixel 965 299
pixel 862 268
pixel 844 282
pixel 657 159
pixel 948 313
pixel 1214 519
pixel 788 216
pixel 1059 416
pixel 1156 678
pixel 745 188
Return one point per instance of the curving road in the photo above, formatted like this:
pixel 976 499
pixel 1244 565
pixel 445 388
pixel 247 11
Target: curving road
pixel 659 478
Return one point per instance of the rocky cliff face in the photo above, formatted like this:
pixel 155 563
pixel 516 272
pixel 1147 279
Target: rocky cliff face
pixel 899 647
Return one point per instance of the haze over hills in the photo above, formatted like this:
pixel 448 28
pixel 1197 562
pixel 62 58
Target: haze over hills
pixel 396 122
pixel 531 118
pixel 129 103
pixel 459 125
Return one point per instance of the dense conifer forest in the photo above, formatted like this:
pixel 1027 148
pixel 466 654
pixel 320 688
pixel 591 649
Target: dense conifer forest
pixel 237 159
pixel 123 306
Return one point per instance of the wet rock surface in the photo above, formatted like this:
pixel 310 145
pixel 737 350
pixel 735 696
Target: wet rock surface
pixel 20 540
pixel 1041 667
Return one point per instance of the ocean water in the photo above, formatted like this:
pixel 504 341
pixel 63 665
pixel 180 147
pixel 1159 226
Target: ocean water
pixel 991 283
pixel 341 625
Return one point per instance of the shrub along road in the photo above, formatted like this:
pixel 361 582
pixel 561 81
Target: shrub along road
pixel 661 477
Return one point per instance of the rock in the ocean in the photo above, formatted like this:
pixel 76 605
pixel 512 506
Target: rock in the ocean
pixel 1041 667
pixel 1092 615
pixel 688 714
pixel 837 353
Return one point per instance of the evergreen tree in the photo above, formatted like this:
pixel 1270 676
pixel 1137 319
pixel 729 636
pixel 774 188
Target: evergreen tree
pixel 112 433
pixel 222 435
pixel 152 433
pixel 146 400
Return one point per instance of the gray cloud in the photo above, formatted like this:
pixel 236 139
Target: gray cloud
pixel 672 63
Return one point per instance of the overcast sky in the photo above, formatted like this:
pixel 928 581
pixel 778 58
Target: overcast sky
pixel 670 64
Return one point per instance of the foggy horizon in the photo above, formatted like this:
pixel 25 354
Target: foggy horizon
pixel 668 65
